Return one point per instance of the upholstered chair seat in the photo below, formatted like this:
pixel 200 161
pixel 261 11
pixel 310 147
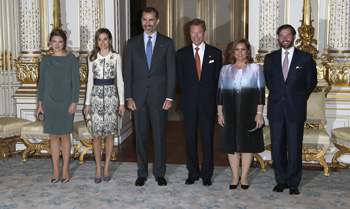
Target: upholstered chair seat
pixel 34 139
pixel 341 140
pixel 10 129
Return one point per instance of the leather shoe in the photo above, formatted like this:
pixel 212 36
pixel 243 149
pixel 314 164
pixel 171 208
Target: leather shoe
pixel 294 191
pixel 161 181
pixel 190 180
pixel 280 188
pixel 233 186
pixel 97 180
pixel 207 182
pixel 55 180
pixel 244 186
pixel 140 181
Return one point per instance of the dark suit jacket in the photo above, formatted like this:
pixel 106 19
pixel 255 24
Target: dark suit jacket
pixel 293 93
pixel 159 82
pixel 198 93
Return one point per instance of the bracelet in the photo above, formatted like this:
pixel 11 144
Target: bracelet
pixel 220 113
pixel 259 113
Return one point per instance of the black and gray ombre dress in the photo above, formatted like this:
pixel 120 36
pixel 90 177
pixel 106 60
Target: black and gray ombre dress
pixel 240 91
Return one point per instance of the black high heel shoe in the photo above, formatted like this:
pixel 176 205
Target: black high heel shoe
pixel 234 186
pixel 54 181
pixel 65 180
pixel 245 187
pixel 99 180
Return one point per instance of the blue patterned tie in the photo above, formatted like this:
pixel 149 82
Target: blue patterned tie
pixel 149 52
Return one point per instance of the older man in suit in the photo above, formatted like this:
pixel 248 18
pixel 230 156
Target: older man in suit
pixel 198 67
pixel 150 82
pixel 290 76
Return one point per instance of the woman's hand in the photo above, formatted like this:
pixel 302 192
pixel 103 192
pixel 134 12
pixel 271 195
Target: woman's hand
pixel 221 120
pixel 86 110
pixel 72 108
pixel 259 118
pixel 39 109
pixel 121 110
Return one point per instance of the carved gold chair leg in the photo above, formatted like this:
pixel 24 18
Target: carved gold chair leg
pixel 114 157
pixel 76 150
pixel 261 161
pixel 315 155
pixel 81 157
pixel 3 154
pixel 35 148
pixel 341 151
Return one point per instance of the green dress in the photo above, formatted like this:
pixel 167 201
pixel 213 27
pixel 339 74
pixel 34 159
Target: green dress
pixel 58 87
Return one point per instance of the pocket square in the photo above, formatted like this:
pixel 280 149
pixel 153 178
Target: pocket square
pixel 298 67
pixel 211 61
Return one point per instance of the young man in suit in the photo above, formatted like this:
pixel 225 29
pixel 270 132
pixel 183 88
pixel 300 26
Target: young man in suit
pixel 198 67
pixel 150 82
pixel 290 76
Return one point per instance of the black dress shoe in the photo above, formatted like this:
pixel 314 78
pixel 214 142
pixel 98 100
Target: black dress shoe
pixel 207 182
pixel 294 191
pixel 280 188
pixel 140 181
pixel 233 186
pixel 190 180
pixel 244 186
pixel 161 181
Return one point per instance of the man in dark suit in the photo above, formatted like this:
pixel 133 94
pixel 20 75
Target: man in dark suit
pixel 198 67
pixel 290 76
pixel 150 83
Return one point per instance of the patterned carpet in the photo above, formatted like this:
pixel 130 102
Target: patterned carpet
pixel 27 185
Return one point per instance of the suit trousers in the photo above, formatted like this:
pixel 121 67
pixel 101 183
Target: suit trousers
pixel 286 147
pixel 206 127
pixel 158 118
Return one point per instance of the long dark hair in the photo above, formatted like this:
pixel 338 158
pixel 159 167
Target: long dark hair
pixel 60 33
pixel 233 48
pixel 96 49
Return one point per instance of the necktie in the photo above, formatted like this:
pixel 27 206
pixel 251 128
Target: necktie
pixel 198 63
pixel 149 52
pixel 285 65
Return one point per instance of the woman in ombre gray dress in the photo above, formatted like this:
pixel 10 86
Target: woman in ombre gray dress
pixel 240 103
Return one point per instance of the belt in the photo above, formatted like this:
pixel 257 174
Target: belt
pixel 102 82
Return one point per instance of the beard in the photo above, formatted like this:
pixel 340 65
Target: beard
pixel 150 30
pixel 287 44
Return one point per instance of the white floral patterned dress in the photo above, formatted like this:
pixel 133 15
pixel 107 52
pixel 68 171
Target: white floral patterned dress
pixel 104 99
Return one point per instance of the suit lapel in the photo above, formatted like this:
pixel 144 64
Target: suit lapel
pixel 279 63
pixel 141 49
pixel 206 59
pixel 157 49
pixel 293 64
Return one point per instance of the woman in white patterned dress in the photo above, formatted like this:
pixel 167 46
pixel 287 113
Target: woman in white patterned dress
pixel 102 100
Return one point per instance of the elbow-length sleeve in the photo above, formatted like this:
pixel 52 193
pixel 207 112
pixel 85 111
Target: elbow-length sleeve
pixel 89 83
pixel 120 81
pixel 75 81
pixel 219 94
pixel 42 81
pixel 261 86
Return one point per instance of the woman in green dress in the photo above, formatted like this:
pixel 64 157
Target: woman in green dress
pixel 58 94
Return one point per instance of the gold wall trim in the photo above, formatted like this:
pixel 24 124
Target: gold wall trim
pixel 35 52
pixel 339 51
pixel 266 51
pixel 245 19
pixel 100 11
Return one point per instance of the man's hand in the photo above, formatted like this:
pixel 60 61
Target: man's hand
pixel 131 104
pixel 167 104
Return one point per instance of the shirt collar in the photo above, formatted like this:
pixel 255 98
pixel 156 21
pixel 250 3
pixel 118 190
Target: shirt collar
pixel 291 50
pixel 145 36
pixel 200 46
